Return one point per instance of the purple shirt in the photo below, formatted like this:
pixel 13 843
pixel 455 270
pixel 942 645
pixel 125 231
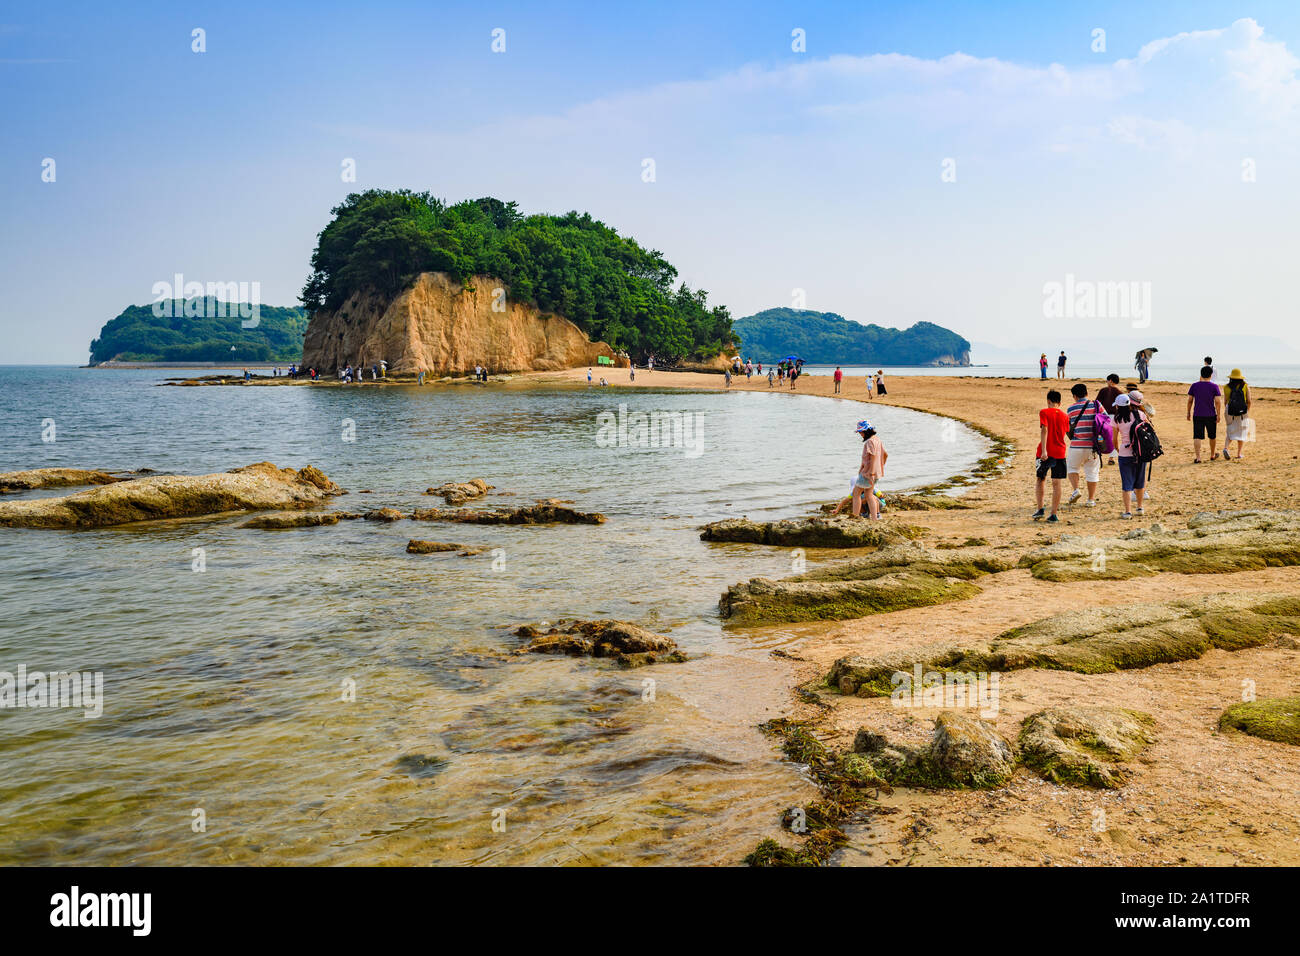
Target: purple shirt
pixel 1203 395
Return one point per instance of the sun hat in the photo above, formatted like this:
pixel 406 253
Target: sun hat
pixel 1136 396
pixel 863 426
pixel 1235 373
pixel 1121 400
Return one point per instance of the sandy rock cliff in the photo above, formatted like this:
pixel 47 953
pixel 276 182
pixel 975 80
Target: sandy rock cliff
pixel 441 327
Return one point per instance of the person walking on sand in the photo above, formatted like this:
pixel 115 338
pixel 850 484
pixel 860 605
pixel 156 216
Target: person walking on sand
pixel 1209 361
pixel 631 371
pixel 1060 365
pixel 1081 457
pixel 839 377
pixel 880 382
pixel 1132 473
pixel 794 375
pixel 874 457
pixel 588 375
pixel 1053 425
pixel 1204 408
pixel 726 374
pixel 1042 366
pixel 1237 410
pixel 771 376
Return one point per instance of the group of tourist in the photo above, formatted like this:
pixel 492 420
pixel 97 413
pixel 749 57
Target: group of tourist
pixel 1117 427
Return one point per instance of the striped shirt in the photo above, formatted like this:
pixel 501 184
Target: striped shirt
pixel 1084 424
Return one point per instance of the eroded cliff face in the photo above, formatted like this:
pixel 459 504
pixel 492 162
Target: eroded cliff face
pixel 439 326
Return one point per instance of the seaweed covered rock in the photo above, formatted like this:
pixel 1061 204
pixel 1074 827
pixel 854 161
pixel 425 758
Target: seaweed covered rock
pixel 964 753
pixel 823 531
pixel 1276 718
pixel 893 578
pixel 1083 745
pixel 541 513
pixel 293 519
pixel 1212 543
pixel 628 644
pixel 1093 641
pixel 259 487
pixel 459 492
pixel 11 481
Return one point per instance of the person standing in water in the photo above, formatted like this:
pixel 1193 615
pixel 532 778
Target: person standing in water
pixel 872 468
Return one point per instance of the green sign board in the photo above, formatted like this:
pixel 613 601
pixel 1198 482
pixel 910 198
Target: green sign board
pixel 604 360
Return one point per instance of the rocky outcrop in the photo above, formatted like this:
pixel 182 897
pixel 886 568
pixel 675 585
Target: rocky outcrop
pixel 1276 719
pixel 1212 543
pixel 416 546
pixel 1085 746
pixel 459 492
pixel 893 578
pixel 629 644
pixel 257 487
pixel 1094 641
pixel 964 752
pixel 443 327
pixel 294 519
pixel 11 481
pixel 839 531
pixel 541 513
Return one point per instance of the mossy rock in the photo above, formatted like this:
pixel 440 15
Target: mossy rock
pixel 1212 543
pixel 1084 746
pixel 1091 641
pixel 1274 718
pixel 891 579
pixel 964 753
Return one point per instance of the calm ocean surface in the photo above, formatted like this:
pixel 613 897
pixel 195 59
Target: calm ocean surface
pixel 223 688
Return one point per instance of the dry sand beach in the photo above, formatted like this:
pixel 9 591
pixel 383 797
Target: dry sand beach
pixel 1195 795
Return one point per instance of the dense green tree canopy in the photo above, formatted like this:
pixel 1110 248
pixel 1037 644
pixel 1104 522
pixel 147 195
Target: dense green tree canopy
pixel 573 265
pixel 824 338
pixel 138 335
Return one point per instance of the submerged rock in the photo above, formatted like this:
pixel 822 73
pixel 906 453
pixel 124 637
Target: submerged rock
pixel 257 487
pixel 1213 543
pixel 293 519
pixel 893 578
pixel 839 531
pixel 53 478
pixel 1093 641
pixel 629 644
pixel 383 514
pixel 542 513
pixel 1275 718
pixel 1083 745
pixel 459 492
pixel 416 546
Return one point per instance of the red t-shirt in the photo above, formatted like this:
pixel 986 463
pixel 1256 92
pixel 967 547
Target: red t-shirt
pixel 1058 426
pixel 838 375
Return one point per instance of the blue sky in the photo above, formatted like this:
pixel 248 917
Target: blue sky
pixel 776 171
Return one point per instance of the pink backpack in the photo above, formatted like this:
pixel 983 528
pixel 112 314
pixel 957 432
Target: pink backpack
pixel 1103 433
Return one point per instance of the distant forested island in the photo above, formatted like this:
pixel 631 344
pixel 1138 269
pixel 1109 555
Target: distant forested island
pixel 824 338
pixel 615 291
pixel 201 330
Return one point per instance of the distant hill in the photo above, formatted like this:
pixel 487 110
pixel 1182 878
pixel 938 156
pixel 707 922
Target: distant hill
pixel 824 338
pixel 137 335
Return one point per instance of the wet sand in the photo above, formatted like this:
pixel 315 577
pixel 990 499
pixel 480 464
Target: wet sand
pixel 1196 797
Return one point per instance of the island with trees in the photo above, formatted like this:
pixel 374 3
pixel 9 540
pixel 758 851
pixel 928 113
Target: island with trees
pixel 201 330
pixel 825 338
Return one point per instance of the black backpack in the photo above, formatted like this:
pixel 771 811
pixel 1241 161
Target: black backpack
pixel 1236 398
pixel 1146 443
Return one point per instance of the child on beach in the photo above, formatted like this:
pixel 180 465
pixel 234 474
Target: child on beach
pixel 1053 424
pixel 874 457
